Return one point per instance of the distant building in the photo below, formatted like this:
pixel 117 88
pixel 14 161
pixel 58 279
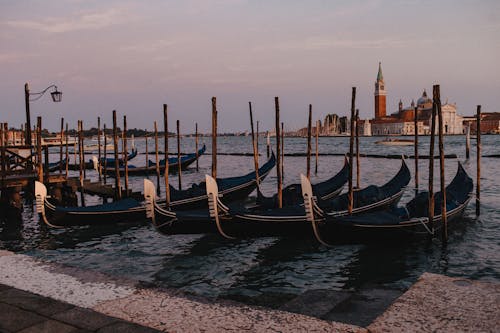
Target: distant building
pixel 490 123
pixel 402 121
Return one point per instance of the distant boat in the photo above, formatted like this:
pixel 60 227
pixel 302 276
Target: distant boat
pixel 396 142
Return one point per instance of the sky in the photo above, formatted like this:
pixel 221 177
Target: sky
pixel 134 56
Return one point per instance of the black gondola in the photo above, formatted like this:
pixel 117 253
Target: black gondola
pixel 110 162
pixel 398 223
pixel 132 211
pixel 238 221
pixel 292 194
pixel 133 170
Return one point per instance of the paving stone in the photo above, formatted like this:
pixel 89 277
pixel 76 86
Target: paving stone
pixel 50 326
pixel 33 302
pixel 124 327
pixel 85 318
pixel 14 319
pixel 315 303
pixel 438 303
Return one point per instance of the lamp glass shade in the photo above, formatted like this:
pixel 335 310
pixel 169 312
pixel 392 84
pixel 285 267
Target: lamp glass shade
pixel 56 96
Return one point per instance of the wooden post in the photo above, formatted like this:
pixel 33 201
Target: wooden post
pixel 179 165
pixel 146 143
pixel 254 147
pixel 317 148
pixel 196 144
pixel 431 166
pixel 478 180
pixel 67 152
pixel 61 147
pixel 268 143
pixel 444 219
pixel 214 138
pixel 309 134
pixel 125 154
pixel 165 137
pixel 278 152
pixel 415 127
pixel 282 153
pixel 257 139
pixel 39 148
pixel 357 150
pixel 467 142
pixel 99 148
pixel 46 162
pixel 157 161
pixel 105 154
pixel 351 144
pixel 118 186
pixel 80 151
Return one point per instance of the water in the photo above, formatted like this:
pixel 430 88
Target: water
pixel 269 271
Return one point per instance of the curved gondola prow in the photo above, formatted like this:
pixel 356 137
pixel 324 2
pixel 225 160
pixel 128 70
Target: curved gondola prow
pixel 40 198
pixel 213 198
pixel 307 194
pixel 149 199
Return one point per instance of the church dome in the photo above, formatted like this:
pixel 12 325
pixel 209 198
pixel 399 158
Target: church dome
pixel 424 99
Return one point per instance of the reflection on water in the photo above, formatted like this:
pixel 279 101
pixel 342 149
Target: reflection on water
pixel 270 271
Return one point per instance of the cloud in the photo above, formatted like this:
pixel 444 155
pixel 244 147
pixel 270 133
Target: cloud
pixel 84 21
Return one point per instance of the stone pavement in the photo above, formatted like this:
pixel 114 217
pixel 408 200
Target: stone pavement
pixel 26 312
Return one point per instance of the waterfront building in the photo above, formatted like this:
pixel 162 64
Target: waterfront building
pixel 402 121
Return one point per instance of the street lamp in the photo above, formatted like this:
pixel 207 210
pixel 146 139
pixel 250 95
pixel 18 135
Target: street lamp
pixel 28 97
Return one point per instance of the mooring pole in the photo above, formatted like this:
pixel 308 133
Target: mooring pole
pixel 157 161
pixel 82 163
pixel 317 147
pixel 478 180
pixel 309 134
pixel 83 152
pixel 268 143
pixel 165 127
pixel 39 148
pixel 146 143
pixel 257 138
pixel 444 219
pixel 105 154
pixel 118 188
pixel 61 147
pixel 179 165
pixel 278 152
pixel 99 171
pixel 282 154
pixel 351 144
pixel 415 129
pixel 254 147
pixel 431 164
pixel 467 142
pixel 357 150
pixel 196 143
pixel 214 137
pixel 67 152
pixel 125 153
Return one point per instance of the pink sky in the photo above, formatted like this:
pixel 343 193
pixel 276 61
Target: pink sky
pixel 134 56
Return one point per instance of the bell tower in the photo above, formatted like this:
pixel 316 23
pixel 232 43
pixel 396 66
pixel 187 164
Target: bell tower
pixel 380 94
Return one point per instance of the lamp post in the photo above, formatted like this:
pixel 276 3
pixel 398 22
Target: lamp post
pixel 56 97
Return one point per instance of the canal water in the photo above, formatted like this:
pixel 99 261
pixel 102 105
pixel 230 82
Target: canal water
pixel 269 271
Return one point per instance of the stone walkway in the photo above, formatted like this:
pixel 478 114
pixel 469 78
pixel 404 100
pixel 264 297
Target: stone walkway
pixel 26 312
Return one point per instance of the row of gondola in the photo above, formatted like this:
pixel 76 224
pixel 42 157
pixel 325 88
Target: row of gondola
pixel 215 206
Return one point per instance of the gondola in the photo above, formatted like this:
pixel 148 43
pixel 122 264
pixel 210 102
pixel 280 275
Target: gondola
pixel 292 194
pixel 398 223
pixel 237 221
pixel 132 211
pixel 121 211
pixel 134 170
pixel 54 166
